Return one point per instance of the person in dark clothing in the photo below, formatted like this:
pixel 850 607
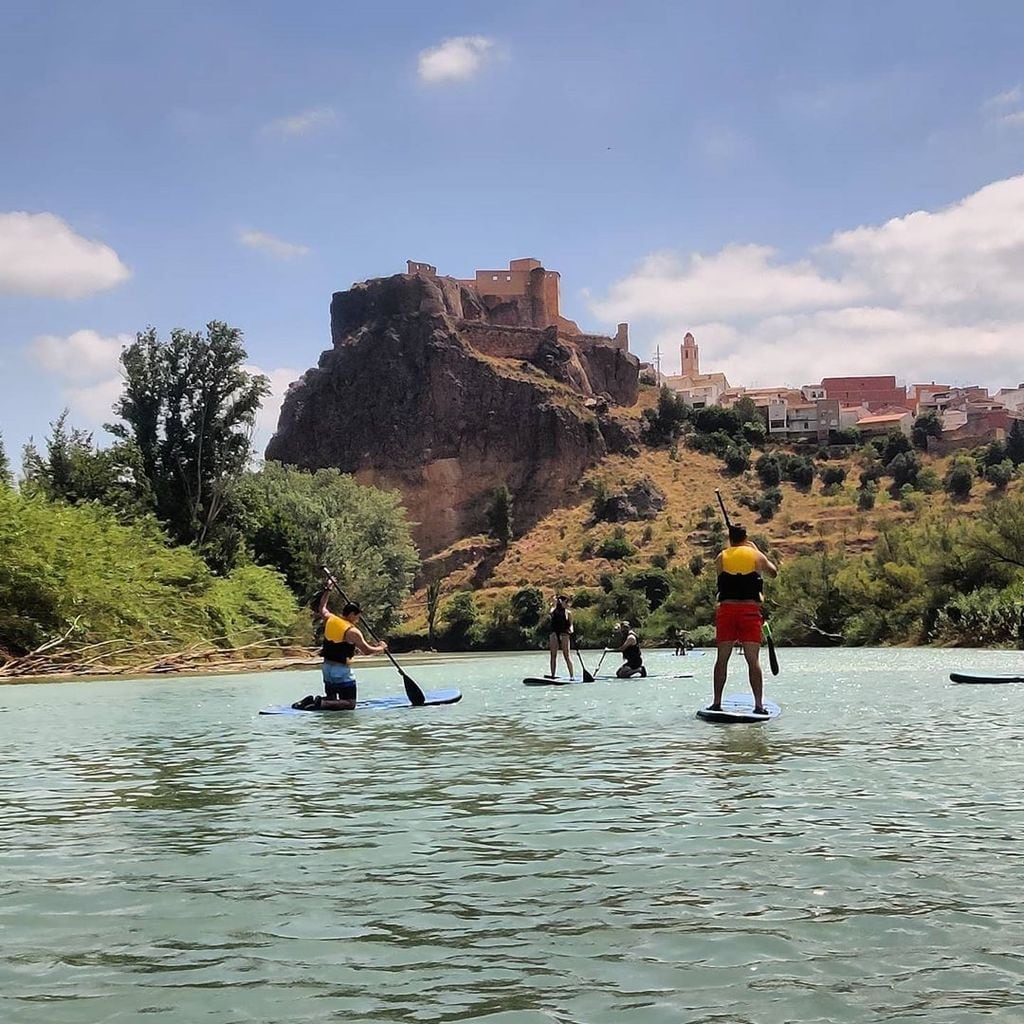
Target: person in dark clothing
pixel 633 659
pixel 561 634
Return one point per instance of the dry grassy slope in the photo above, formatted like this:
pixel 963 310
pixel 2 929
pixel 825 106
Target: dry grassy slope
pixel 549 555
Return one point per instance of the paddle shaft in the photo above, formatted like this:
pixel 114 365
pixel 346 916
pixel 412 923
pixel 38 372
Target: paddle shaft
pixel 412 690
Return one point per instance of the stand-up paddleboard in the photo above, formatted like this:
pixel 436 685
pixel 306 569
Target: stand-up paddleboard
pixel 982 677
pixel 433 698
pixel 564 681
pixel 739 707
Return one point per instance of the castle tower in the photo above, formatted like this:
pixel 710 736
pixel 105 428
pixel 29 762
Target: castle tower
pixel 689 356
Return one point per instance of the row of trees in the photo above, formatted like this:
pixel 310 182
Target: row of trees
pixel 174 505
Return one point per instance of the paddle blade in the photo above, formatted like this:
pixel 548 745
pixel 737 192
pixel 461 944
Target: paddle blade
pixel 413 692
pixel 587 677
pixel 773 660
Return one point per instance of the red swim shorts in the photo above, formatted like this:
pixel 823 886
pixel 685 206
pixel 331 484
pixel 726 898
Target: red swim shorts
pixel 738 622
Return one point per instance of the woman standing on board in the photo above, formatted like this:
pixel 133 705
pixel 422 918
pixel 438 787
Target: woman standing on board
pixel 561 633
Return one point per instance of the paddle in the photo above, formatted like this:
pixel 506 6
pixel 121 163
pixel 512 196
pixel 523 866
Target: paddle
pixel 773 659
pixel 599 660
pixel 412 691
pixel 587 677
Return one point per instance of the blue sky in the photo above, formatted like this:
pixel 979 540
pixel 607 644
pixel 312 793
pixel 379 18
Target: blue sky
pixel 810 188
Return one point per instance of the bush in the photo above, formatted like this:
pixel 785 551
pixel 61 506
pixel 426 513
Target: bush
pixel 903 468
pixel 768 470
pixel 499 515
pixel 866 497
pixel 959 480
pixel 846 436
pixel 928 481
pixel 926 425
pixel 802 473
pixel 833 475
pixel 696 565
pixel 737 460
pixel 894 443
pixel 528 606
pixel 910 499
pixel 615 547
pixel 663 424
pixel 462 624
pixel 655 584
pixel 1000 474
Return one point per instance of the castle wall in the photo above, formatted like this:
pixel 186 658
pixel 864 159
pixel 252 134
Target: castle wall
pixel 503 342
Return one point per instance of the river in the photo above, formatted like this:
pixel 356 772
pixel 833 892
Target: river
pixel 591 854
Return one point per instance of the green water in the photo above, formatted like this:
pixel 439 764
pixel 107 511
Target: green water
pixel 588 854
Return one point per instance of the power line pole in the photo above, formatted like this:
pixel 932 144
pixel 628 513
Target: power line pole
pixel 657 365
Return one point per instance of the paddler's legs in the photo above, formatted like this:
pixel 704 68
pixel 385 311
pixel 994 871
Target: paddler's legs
pixel 721 672
pixel 553 646
pixel 563 642
pixel 752 653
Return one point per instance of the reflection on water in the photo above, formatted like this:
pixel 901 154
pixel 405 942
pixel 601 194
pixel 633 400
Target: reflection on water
pixel 590 854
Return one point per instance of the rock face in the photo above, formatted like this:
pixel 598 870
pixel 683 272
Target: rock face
pixel 422 393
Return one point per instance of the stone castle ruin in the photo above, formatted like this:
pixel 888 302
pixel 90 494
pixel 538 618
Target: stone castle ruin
pixel 514 314
pixel 446 389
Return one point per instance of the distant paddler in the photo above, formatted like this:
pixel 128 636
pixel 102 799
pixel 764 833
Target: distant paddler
pixel 632 655
pixel 342 639
pixel 738 618
pixel 560 634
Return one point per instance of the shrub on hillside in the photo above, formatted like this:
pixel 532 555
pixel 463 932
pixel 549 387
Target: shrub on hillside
pixel 615 547
pixel 737 460
pixel 904 468
pixel 999 475
pixel 768 470
pixel 866 496
pixel 959 480
pixel 833 475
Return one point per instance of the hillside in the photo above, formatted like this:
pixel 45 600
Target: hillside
pixel 559 552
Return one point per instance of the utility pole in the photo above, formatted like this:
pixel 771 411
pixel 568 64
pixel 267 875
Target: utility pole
pixel 657 365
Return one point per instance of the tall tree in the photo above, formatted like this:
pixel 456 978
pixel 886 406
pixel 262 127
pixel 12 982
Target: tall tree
pixel 5 466
pixel 499 515
pixel 1015 442
pixel 189 406
pixel 72 470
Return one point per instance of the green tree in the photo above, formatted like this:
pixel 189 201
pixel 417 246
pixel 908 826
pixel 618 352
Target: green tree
pixel 737 460
pixel 1015 442
pixel 528 606
pixel 926 425
pixel 904 468
pixel 833 475
pixel 768 470
pixel 894 443
pixel 462 622
pixel 76 570
pixel 959 480
pixel 664 423
pixel 6 479
pixel 189 407
pixel 296 522
pixel 999 475
pixel 74 471
pixel 499 515
pixel 433 597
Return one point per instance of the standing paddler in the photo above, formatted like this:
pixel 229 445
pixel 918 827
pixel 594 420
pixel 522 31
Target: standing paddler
pixel 738 618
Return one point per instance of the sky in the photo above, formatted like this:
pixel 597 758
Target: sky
pixel 811 189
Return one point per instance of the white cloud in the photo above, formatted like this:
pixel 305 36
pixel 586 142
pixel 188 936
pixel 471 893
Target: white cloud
pixel 266 418
pixel 304 123
pixel 41 255
pixel 930 295
pixel 454 60
pixel 738 280
pixel 84 355
pixel 88 364
pixel 276 247
pixel 1010 98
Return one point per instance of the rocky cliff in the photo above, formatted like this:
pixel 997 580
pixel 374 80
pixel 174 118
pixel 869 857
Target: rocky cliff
pixel 423 392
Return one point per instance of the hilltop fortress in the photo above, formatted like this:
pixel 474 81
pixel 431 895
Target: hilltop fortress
pixel 446 389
